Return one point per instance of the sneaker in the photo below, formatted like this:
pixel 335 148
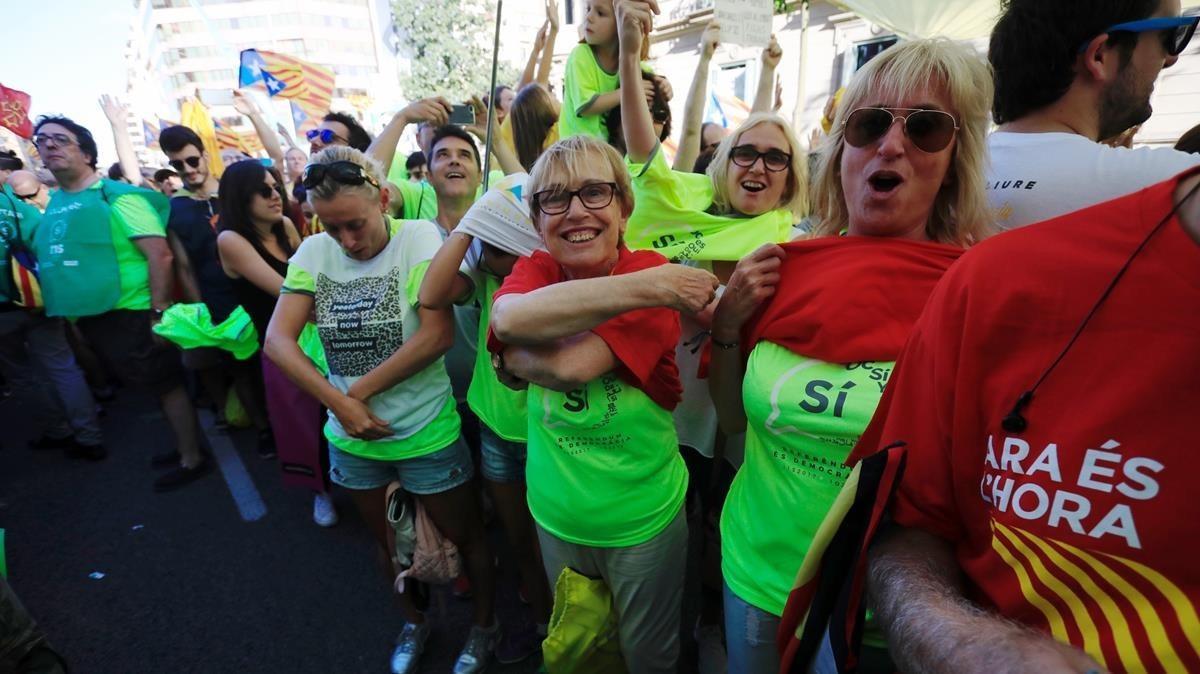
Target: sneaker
pixel 476 655
pixel 88 452
pixel 181 475
pixel 409 646
pixel 710 649
pixel 46 442
pixel 324 514
pixel 461 587
pixel 518 645
pixel 165 459
pixel 266 444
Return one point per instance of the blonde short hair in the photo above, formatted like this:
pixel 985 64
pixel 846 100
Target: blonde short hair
pixel 329 189
pixel 575 157
pixel 960 213
pixel 795 194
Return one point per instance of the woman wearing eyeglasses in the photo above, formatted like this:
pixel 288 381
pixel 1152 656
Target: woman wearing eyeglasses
pixel 591 327
pixel 391 413
pixel 806 333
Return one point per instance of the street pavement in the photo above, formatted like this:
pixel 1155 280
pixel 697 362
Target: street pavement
pixel 188 584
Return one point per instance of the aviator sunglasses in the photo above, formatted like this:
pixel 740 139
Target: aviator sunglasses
pixel 929 130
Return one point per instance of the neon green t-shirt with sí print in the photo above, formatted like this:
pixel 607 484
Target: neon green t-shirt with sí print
pixel 583 81
pixel 603 466
pixel 498 407
pixel 671 216
pixel 803 416
pixel 366 310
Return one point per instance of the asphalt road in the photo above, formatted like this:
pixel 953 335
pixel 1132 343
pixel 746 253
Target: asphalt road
pixel 190 586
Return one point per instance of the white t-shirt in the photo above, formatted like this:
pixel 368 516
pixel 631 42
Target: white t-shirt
pixel 1037 176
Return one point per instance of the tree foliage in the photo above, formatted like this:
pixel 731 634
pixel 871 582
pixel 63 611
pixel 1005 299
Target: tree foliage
pixel 449 43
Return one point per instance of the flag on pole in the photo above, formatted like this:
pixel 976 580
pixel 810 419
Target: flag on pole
pixel 232 139
pixel 195 116
pixel 726 110
pixel 150 133
pixel 287 77
pixel 14 111
pixel 306 117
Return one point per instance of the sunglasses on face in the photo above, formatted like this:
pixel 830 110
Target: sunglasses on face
pixel 1177 31
pixel 327 136
pixel 593 196
pixel 344 172
pixel 746 156
pixel 929 130
pixel 177 164
pixel 59 140
pixel 266 192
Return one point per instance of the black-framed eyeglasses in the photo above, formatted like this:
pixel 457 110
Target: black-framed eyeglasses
pixel 1177 31
pixel 593 196
pixel 774 160
pixel 344 172
pixel 177 164
pixel 929 130
pixel 59 140
pixel 327 136
pixel 267 191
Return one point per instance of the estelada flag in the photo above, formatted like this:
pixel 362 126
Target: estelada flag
pixel 287 77
pixel 14 111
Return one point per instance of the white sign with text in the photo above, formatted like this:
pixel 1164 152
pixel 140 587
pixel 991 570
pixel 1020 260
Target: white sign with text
pixel 744 22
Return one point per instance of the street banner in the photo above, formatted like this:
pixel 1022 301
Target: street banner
pixel 744 22
pixel 14 112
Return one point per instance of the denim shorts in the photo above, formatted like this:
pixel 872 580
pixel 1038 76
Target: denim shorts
pixel 432 473
pixel 502 460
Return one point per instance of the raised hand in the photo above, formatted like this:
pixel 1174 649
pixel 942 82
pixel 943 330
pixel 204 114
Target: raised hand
pixel 635 19
pixel 710 39
pixel 772 54
pixel 244 104
pixel 114 109
pixel 552 15
pixel 754 280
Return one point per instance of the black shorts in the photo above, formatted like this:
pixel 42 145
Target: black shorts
pixel 123 340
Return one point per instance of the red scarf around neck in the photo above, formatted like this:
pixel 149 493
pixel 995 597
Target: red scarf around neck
pixel 849 299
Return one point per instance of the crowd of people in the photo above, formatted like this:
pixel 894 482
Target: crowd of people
pixel 644 355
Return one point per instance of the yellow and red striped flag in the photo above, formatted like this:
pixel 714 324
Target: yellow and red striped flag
pixel 288 77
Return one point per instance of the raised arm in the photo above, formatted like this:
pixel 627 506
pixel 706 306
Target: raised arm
pixel 535 56
pixel 246 106
pixel 764 95
pixel 753 281
pixel 287 137
pixel 118 119
pixel 571 307
pixel 443 286
pixel 435 110
pixel 634 21
pixel 501 151
pixel 915 587
pixel 543 74
pixel 693 108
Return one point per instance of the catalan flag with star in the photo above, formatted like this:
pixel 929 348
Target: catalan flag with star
pixel 307 85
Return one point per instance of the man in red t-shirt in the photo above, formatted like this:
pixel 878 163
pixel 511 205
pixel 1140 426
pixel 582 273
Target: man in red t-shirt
pixel 1070 517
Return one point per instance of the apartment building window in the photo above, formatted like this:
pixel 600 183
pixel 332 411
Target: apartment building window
pixel 734 78
pixel 865 51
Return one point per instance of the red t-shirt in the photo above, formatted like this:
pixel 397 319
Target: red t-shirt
pixel 1085 525
pixel 643 341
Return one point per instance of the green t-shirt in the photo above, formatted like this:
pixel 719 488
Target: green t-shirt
pixel 131 216
pixel 670 216
pixel 603 466
pixel 18 220
pixel 584 80
pixel 366 310
pixel 803 416
pixel 500 408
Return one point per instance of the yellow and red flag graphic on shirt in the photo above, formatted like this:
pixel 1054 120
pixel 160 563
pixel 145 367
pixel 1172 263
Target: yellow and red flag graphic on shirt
pixel 287 77
pixel 14 111
pixel 1124 614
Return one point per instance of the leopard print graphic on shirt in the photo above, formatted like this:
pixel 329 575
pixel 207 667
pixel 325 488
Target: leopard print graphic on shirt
pixel 360 322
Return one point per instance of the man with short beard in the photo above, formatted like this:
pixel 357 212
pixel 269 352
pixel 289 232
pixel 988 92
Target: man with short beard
pixel 1069 74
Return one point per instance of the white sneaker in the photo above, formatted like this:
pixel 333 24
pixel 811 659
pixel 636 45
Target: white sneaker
pixel 409 646
pixel 481 644
pixel 324 514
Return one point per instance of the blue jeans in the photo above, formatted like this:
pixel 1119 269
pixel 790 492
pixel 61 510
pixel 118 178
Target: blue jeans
pixel 501 460
pixel 431 473
pixel 749 637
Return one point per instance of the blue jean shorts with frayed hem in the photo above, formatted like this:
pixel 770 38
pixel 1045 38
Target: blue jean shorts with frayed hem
pixel 501 460
pixel 432 473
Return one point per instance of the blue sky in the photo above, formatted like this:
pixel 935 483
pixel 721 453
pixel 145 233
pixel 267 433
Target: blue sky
pixel 65 54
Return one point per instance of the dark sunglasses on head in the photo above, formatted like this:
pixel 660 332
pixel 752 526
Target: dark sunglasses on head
pixel 774 160
pixel 929 130
pixel 327 136
pixel 1177 31
pixel 25 197
pixel 177 164
pixel 593 196
pixel 344 172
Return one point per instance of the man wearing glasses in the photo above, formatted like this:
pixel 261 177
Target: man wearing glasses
pixel 1070 73
pixel 103 259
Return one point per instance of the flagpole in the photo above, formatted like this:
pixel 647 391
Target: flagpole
pixel 491 113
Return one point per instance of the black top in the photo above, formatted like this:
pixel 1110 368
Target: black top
pixel 194 222
pixel 258 304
